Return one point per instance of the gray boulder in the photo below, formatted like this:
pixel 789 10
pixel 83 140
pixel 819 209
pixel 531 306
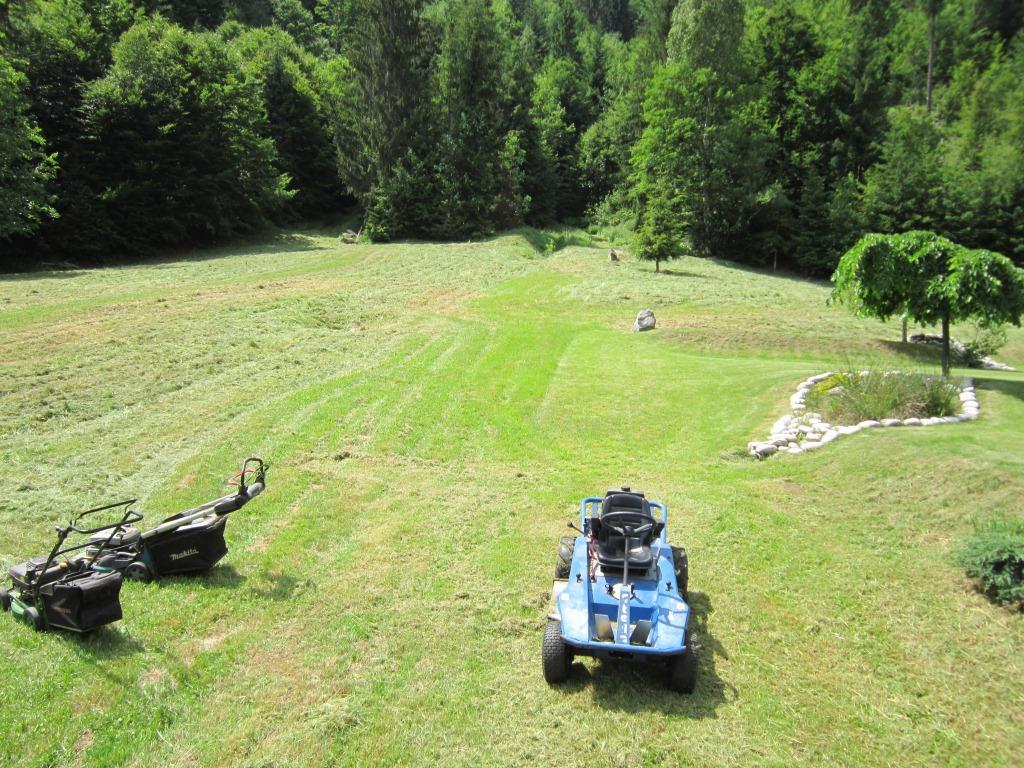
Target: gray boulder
pixel 645 320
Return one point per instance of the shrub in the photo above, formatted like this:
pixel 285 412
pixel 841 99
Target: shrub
pixel 995 555
pixel 851 397
pixel 984 343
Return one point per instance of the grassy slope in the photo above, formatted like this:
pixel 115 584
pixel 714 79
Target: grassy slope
pixel 433 413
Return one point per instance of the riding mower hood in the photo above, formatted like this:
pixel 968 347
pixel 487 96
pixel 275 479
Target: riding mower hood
pixel 58 592
pixel 188 542
pixel 620 592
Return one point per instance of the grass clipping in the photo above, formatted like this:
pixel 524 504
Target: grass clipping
pixel 852 397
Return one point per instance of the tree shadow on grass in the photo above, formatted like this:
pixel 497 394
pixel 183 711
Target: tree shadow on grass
pixel 926 354
pixel 640 687
pixel 1003 386
pixel 681 273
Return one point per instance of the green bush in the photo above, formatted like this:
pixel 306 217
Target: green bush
pixel 995 555
pixel 852 397
pixel 984 343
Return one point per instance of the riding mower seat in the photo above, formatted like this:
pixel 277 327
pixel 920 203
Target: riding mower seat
pixel 611 545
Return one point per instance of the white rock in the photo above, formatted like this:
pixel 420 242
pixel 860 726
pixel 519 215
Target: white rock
pixel 766 449
pixel 912 422
pixel 829 436
pixel 813 436
pixel 781 424
pixel 796 450
pixel 869 423
pixel 811 445
pixel 852 430
pixel 793 445
pixel 969 416
pixel 804 429
pixel 891 422
pixel 950 419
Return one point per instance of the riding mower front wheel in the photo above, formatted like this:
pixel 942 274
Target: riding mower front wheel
pixel 682 671
pixel 5 600
pixel 555 655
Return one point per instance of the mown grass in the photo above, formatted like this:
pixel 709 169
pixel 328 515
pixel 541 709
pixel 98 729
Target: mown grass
pixel 433 414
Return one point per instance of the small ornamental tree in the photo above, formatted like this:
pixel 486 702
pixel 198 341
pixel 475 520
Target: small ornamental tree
pixel 932 279
pixel 659 235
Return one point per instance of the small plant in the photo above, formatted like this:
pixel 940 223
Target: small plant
pixel 852 397
pixel 984 343
pixel 995 555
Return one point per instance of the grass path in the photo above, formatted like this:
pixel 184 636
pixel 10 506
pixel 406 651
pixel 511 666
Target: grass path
pixel 433 413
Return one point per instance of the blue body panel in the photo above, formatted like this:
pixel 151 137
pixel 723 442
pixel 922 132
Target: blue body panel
pixel 655 598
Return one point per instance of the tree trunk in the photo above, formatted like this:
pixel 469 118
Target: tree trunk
pixel 657 265
pixel 903 330
pixel 932 11
pixel 945 346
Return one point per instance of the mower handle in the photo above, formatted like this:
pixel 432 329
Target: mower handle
pixel 129 516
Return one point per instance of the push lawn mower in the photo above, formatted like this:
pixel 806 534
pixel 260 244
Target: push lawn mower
pixel 75 594
pixel 188 542
pixel 620 592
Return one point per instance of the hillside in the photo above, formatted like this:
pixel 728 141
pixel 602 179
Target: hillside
pixel 433 414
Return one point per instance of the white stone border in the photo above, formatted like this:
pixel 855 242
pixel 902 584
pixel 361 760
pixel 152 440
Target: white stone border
pixel 798 431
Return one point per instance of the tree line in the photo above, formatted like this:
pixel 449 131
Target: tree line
pixel 770 133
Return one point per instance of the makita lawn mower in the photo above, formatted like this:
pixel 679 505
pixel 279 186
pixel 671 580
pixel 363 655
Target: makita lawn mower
pixel 73 593
pixel 620 592
pixel 188 542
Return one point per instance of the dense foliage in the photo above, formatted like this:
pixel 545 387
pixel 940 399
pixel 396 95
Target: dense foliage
pixel 995 555
pixel 769 132
pixel 931 280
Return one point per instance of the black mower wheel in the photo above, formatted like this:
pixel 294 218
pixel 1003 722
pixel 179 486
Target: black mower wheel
pixel 682 567
pixel 34 618
pixel 682 670
pixel 138 571
pixel 555 654
pixel 5 600
pixel 564 562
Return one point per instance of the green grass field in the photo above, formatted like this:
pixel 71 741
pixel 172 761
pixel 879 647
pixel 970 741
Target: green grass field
pixel 433 414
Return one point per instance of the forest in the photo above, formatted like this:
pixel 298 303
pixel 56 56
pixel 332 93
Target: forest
pixel 769 133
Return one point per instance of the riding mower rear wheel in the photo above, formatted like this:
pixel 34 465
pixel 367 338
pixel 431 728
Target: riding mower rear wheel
pixel 564 562
pixel 555 654
pixel 682 568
